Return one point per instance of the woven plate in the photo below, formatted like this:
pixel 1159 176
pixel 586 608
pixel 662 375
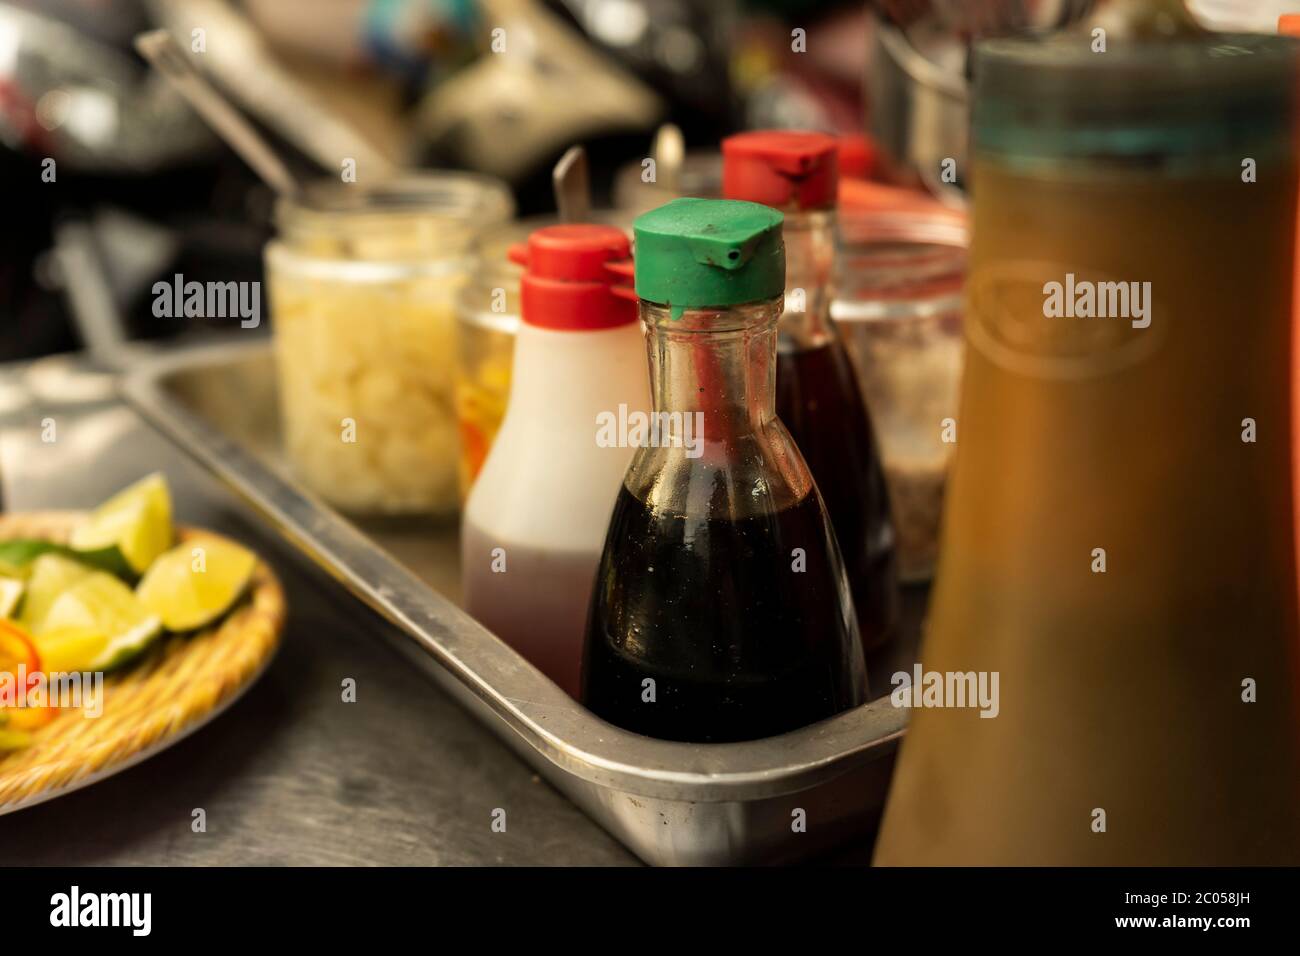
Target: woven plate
pixel 181 684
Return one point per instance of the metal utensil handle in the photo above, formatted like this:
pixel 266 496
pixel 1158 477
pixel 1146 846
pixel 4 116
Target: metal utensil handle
pixel 158 47
pixel 572 185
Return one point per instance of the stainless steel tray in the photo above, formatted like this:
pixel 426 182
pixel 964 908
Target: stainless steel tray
pixel 670 803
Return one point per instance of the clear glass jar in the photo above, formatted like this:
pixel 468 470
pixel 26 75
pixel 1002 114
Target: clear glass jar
pixel 363 283
pixel 487 323
pixel 898 307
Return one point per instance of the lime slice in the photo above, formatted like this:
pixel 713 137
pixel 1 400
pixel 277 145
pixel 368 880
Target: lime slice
pixel 196 582
pixel 51 575
pixel 11 592
pixel 137 521
pixel 100 602
pixel 17 555
pixel 69 649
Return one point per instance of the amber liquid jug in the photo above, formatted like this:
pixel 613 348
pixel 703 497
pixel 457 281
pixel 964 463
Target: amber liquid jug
pixel 1118 542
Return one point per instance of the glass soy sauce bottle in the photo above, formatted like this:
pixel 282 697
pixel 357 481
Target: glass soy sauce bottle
pixel 817 393
pixel 721 610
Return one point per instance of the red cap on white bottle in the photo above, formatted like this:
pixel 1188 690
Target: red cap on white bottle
pixel 568 284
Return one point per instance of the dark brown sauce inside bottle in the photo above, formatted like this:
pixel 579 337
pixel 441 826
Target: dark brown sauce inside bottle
pixel 818 399
pixel 738 643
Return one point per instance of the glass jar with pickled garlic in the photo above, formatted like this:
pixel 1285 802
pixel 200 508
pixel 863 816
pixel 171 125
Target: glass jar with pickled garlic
pixel 363 282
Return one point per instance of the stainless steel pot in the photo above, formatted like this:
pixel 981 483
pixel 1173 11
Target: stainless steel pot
pixel 916 77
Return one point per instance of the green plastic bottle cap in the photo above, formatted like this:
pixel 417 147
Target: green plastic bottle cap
pixel 704 253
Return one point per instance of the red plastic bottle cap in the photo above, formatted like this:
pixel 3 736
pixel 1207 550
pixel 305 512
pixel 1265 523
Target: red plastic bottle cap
pixel 568 284
pixel 781 168
pixel 857 156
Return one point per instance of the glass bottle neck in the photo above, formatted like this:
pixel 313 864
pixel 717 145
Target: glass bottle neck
pixel 719 362
pixel 810 243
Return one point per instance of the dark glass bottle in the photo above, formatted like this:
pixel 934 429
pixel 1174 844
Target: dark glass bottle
pixel 722 610
pixel 817 393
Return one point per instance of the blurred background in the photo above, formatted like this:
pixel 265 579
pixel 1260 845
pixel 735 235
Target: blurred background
pixel 428 132
pixel 145 190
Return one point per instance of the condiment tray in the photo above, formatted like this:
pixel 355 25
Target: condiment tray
pixel 669 802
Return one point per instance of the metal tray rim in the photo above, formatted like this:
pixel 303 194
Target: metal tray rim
pixel 534 709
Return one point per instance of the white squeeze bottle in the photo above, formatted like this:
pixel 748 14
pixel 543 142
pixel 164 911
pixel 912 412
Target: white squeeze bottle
pixel 535 521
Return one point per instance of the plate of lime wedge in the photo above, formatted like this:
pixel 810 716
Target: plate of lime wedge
pixel 145 629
